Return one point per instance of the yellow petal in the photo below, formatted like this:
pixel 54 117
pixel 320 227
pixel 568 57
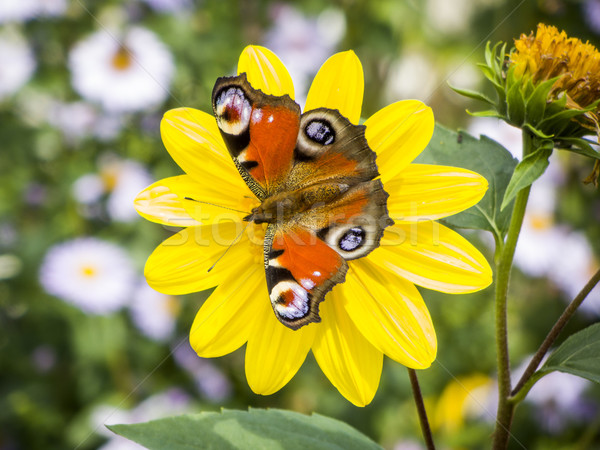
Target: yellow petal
pixel 195 144
pixel 160 203
pixel 398 133
pixel 274 352
pixel 265 71
pixel 351 363
pixel 226 318
pixel 391 314
pixel 180 264
pixel 433 256
pixel 340 85
pixel 428 192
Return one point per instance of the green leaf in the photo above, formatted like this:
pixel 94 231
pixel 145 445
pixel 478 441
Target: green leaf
pixel 537 132
pixel 256 428
pixel 487 113
pixel 489 73
pixel 527 171
pixel 483 156
pixel 536 103
pixel 515 103
pixel 472 94
pixel 578 355
pixel 581 147
pixel 558 119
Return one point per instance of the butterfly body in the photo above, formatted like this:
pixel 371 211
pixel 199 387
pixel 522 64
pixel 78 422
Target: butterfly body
pixel 316 179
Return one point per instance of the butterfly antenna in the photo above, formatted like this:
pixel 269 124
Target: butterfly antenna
pixel 213 204
pixel 235 241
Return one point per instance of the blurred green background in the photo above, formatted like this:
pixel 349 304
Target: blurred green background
pixel 79 137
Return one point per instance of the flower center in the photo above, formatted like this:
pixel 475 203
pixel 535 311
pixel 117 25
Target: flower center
pixel 88 271
pixel 122 60
pixel 540 222
pixel 172 306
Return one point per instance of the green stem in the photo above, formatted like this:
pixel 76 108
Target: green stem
pixel 505 407
pixel 425 428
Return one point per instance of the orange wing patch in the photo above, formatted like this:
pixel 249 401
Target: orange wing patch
pixel 273 135
pixel 300 270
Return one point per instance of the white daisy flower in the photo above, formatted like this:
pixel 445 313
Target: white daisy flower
pixel 124 73
pixel 131 177
pixel 23 10
pixel 123 179
pixel 18 63
pixel 499 131
pixel 154 313
pixel 412 76
pixel 17 10
pixel 169 6
pixel 94 275
pixel 78 120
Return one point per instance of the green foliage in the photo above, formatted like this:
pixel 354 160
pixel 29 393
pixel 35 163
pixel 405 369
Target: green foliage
pixel 256 428
pixel 527 171
pixel 484 156
pixel 578 355
pixel 532 107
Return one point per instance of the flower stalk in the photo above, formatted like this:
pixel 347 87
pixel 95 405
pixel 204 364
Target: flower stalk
pixel 418 396
pixel 505 407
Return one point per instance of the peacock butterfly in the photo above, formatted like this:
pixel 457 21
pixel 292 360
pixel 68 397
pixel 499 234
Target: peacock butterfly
pixel 314 174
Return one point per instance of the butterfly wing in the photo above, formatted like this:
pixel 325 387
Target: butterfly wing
pixel 330 149
pixel 300 269
pixel 260 132
pixel 305 258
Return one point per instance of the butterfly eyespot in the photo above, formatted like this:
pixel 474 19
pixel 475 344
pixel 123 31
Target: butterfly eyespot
pixel 320 131
pixel 352 239
pixel 232 110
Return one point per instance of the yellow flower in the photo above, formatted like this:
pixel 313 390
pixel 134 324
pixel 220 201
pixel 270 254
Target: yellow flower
pixel 463 397
pixel 378 309
pixel 551 54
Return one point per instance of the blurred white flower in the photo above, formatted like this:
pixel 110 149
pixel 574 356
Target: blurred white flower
pixel 78 120
pixel 499 131
pixel 94 275
pixel 408 445
pixel 123 72
pixel 154 313
pixel 18 63
pixel 169 6
pixel 210 381
pixel 122 179
pixel 131 177
pixel 17 10
pixel 171 402
pixel 591 14
pixel 450 17
pixel 22 10
pixel 89 188
pixel 412 76
pixel 304 43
